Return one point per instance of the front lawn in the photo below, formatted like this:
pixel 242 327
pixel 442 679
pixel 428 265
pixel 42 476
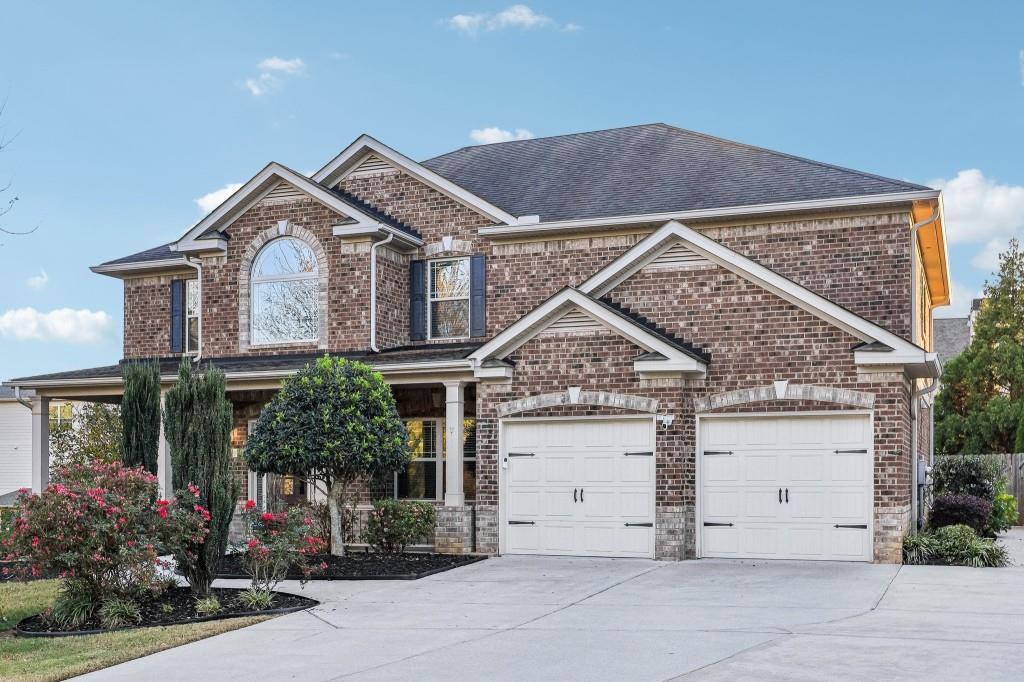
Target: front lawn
pixel 38 659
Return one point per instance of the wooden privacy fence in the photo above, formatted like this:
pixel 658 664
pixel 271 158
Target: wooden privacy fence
pixel 1013 469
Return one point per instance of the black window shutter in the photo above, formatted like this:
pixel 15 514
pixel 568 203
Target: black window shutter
pixel 478 296
pixel 417 300
pixel 177 316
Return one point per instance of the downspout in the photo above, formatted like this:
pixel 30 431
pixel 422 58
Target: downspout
pixel 198 265
pixel 915 502
pixel 23 401
pixel 920 394
pixel 373 290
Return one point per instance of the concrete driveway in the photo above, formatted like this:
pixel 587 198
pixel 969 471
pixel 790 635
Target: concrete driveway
pixel 523 618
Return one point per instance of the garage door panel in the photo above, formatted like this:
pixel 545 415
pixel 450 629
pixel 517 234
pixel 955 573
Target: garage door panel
pixel 559 469
pixel 636 469
pixel 525 503
pixel 557 503
pixel 523 539
pixel 599 469
pixel 526 471
pixel 634 505
pixel 557 537
pixel 786 486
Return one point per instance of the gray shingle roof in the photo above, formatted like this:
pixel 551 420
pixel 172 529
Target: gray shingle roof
pixel 952 334
pixel 644 169
pixel 156 253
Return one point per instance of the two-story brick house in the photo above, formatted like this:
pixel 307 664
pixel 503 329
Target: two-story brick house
pixel 633 342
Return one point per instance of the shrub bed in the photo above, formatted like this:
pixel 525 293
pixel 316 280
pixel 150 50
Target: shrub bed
pixel 363 566
pixel 956 545
pixel 967 510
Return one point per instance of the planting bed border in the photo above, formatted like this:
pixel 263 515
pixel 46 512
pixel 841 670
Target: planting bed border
pixel 470 559
pixel 198 619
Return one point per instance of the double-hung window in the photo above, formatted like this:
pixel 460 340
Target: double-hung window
pixel 424 477
pixel 448 305
pixel 192 316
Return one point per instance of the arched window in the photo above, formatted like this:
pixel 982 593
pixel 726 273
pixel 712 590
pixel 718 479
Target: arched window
pixel 285 299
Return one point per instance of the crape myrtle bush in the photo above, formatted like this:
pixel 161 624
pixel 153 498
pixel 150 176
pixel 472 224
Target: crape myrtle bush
pixel 968 510
pixel 966 475
pixel 393 525
pixel 280 541
pixel 98 527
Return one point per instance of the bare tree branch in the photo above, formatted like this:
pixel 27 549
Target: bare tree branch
pixel 7 207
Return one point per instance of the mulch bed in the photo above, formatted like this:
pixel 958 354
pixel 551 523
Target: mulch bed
pixel 182 610
pixel 366 566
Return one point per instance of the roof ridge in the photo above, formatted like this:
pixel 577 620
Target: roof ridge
pixel 795 157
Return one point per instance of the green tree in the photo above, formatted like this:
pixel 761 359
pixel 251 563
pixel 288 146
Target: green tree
pixel 197 425
pixel 94 434
pixel 335 421
pixel 140 414
pixel 981 405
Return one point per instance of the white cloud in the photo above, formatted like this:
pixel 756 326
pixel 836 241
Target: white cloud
pixel 38 281
pixel 492 135
pixel 960 301
pixel 293 67
pixel 988 258
pixel 978 209
pixel 515 16
pixel 63 324
pixel 273 72
pixel 210 201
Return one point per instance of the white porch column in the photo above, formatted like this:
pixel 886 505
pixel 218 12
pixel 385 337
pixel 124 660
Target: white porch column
pixel 40 444
pixel 163 457
pixel 455 404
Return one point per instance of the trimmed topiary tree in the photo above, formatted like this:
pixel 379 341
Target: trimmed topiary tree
pixel 197 424
pixel 335 421
pixel 140 414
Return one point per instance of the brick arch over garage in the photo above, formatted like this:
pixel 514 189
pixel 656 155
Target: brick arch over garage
pixel 783 390
pixel 284 228
pixel 577 396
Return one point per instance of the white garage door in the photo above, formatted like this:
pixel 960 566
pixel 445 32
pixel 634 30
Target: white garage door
pixel 787 487
pixel 579 487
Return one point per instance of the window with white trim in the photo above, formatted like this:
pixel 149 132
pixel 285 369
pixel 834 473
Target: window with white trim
pixel 61 414
pixel 192 316
pixel 448 288
pixel 285 293
pixel 424 477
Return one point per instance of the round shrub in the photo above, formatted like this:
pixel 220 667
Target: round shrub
pixel 952 510
pixel 960 546
pixel 393 525
pixel 966 475
pixel 1004 512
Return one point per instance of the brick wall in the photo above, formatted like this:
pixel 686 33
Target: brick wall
pixel 147 316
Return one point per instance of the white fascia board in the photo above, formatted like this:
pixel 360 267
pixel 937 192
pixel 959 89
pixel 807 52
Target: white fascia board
pixel 252 191
pixel 502 372
pixel 379 230
pixel 821 307
pixel 200 245
pixel 125 269
pixel 335 170
pixel 582 224
pixel 540 317
pixel 654 369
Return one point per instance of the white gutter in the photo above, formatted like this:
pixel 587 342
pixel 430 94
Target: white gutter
pixel 17 396
pixel 198 265
pixel 915 409
pixel 373 290
pixel 724 212
pixel 142 265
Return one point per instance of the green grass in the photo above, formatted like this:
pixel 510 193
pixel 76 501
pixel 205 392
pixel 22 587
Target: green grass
pixel 37 659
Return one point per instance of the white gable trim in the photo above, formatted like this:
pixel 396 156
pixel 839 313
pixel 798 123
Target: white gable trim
pixel 534 322
pixel 345 161
pixel 903 352
pixel 262 184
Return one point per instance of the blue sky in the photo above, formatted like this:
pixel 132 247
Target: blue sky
pixel 125 114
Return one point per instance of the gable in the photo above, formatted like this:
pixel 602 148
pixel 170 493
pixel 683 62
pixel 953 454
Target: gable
pixel 370 165
pixel 284 193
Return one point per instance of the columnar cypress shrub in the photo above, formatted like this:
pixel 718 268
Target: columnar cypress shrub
pixel 140 414
pixel 197 424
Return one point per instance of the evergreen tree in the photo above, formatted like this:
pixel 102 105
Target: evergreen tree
pixel 140 414
pixel 981 406
pixel 197 424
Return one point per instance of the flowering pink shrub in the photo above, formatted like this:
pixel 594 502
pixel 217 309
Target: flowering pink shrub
pixel 99 527
pixel 280 541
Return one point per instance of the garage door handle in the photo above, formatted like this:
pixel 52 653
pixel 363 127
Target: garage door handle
pixel 787 495
pixel 574 495
pixel 718 452
pixel 862 526
pixel 711 523
pixel 852 452
pixel 639 525
pixel 520 523
pixel 522 454
pixel 780 495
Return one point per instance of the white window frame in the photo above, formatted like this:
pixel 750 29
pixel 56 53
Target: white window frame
pixel 254 281
pixel 439 459
pixel 54 413
pixel 192 289
pixel 431 299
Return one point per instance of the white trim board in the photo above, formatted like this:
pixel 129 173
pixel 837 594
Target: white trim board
pixel 903 352
pixel 262 184
pixel 349 158
pixel 538 319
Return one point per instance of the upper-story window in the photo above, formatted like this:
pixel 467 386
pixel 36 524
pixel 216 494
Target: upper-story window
pixel 192 316
pixel 284 302
pixel 449 289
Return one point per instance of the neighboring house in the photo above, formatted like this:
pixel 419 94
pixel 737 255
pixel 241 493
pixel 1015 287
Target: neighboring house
pixel 954 334
pixel 639 342
pixel 16 440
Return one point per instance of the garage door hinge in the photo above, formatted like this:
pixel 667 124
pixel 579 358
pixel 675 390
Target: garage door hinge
pixel 638 454
pixel 712 523
pixel 639 525
pixel 718 452
pixel 854 525
pixel 863 451
pixel 522 454
pixel 520 523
